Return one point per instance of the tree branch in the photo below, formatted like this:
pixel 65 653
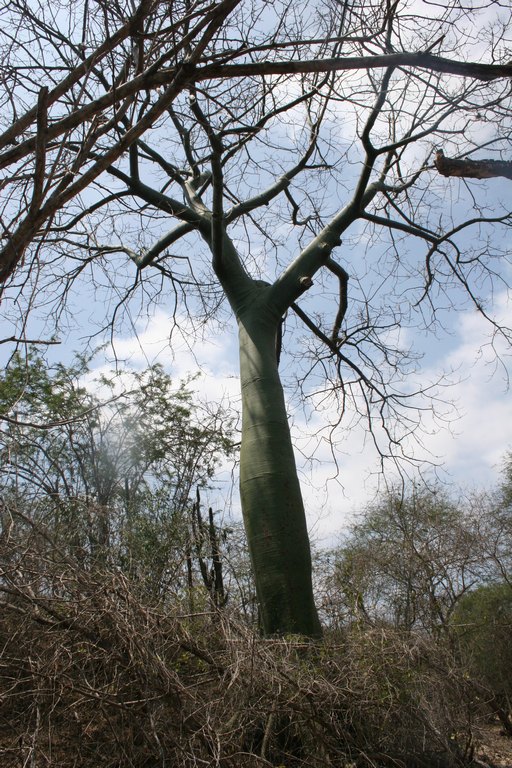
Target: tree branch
pixel 40 149
pixel 298 276
pixel 217 214
pixel 343 278
pixel 65 86
pixel 472 169
pixel 419 60
pixel 282 183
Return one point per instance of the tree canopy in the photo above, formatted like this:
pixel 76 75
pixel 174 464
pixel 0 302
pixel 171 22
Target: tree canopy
pixel 109 480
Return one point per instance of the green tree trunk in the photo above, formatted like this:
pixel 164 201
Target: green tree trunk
pixel 272 503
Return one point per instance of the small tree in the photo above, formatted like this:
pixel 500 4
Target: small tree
pixel 408 561
pixel 483 624
pixel 112 481
pixel 493 519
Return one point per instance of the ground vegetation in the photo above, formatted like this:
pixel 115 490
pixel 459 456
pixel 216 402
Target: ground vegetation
pixel 271 165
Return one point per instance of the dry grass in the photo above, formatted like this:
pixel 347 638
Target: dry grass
pixel 92 675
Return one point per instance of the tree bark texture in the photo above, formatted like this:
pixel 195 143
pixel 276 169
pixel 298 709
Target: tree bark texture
pixel 472 169
pixel 271 498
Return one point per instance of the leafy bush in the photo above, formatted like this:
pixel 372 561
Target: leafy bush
pixel 483 625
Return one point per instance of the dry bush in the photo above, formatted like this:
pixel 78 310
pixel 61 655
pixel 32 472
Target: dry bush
pixel 91 675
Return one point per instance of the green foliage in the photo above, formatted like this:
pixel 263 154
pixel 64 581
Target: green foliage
pixel 483 624
pixel 110 469
pixel 28 388
pixel 506 487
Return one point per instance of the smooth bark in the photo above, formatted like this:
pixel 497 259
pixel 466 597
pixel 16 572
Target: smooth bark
pixel 271 498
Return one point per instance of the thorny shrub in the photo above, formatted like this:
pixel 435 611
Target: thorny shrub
pixel 91 675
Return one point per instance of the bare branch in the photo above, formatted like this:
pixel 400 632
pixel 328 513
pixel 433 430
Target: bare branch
pixel 343 278
pixel 484 72
pixel 472 169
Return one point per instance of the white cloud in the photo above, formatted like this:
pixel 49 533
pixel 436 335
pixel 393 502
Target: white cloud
pixel 168 340
pixel 484 430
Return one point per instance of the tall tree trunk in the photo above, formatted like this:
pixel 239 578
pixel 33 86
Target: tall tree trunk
pixel 272 503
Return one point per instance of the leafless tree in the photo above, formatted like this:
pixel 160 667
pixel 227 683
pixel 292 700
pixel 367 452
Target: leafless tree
pixel 199 152
pixel 408 562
